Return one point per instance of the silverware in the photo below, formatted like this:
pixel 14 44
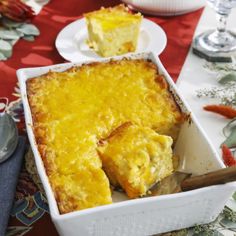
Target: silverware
pixel 221 176
pixel 8 136
pixel 179 182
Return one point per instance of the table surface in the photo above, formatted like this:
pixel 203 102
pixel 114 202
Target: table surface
pixel 193 77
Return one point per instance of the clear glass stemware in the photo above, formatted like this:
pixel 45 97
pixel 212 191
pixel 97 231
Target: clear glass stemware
pixel 220 42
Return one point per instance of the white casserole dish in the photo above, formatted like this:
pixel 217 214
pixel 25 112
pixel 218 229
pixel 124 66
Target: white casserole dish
pixel 146 216
pixel 165 7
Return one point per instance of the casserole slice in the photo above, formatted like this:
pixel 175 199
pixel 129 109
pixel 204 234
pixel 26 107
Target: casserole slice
pixel 113 31
pixel 136 158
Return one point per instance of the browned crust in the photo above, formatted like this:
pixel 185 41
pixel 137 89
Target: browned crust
pixel 160 80
pixel 33 83
pixel 40 132
pixel 120 7
pixel 116 132
pixel 64 207
pixel 181 117
pixel 107 166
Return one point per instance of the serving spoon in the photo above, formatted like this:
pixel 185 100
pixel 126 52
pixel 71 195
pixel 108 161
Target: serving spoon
pixel 8 136
pixel 179 182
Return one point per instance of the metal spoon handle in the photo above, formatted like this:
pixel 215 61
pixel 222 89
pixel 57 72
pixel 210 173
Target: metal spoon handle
pixel 221 176
pixel 8 136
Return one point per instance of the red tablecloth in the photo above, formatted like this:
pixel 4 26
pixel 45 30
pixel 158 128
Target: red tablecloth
pixel 30 211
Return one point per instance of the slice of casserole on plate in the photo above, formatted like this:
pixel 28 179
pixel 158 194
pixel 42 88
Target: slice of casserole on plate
pixel 113 31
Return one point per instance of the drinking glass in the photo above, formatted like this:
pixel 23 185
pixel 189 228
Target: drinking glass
pixel 221 42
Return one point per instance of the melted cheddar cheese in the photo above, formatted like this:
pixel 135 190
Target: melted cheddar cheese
pixel 74 109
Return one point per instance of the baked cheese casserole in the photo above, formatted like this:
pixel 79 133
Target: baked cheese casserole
pixel 136 158
pixel 76 110
pixel 113 31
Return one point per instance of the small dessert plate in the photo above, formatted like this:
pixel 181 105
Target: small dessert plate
pixel 71 41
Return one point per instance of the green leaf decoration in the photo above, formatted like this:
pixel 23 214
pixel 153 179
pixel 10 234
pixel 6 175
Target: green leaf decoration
pixel 28 38
pixel 220 67
pixel 234 196
pixel 209 233
pixel 4 45
pixel 228 224
pixel 17 230
pixel 182 232
pixel 2 57
pixel 229 214
pixel 228 128
pixel 11 32
pixel 217 233
pixel 12 42
pixel 9 23
pixel 5 48
pixel 230 142
pixel 19 33
pixel 8 34
pixel 231 77
pixel 206 229
pixel 29 29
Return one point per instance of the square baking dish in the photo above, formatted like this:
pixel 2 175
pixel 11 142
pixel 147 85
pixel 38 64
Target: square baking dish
pixel 143 216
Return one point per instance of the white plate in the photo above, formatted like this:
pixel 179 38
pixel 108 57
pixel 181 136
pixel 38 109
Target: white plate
pixel 71 41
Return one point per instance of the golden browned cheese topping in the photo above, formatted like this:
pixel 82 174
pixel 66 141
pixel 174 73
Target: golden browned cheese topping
pixel 113 17
pixel 73 110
